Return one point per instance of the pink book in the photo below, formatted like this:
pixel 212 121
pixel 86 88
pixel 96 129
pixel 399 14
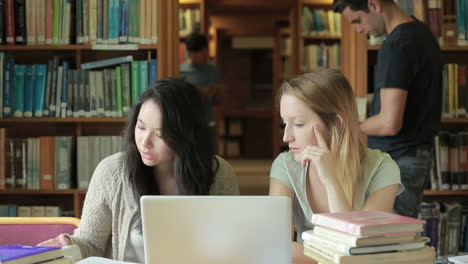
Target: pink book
pixel 368 223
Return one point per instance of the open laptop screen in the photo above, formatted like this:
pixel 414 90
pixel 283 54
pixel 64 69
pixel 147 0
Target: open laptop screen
pixel 217 229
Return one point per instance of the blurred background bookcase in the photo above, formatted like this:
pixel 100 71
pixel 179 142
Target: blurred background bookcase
pixel 162 48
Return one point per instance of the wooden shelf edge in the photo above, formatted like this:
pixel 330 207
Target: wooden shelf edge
pixel 189 2
pixel 445 193
pixel 38 192
pixel 320 37
pixel 68 47
pixel 63 120
pixel 317 2
pixel 442 48
pixel 454 121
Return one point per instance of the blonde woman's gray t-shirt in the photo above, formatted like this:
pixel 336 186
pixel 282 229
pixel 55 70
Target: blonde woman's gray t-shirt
pixel 379 171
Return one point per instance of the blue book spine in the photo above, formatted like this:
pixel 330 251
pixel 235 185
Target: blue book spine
pixel 19 90
pixel 28 90
pixel 317 23
pixel 39 90
pixel 63 99
pixel 461 23
pixel 143 76
pixel 8 88
pixel 116 23
pixel 123 26
pixel 153 72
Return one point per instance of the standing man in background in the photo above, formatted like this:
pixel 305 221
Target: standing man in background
pixel 198 71
pixel 405 112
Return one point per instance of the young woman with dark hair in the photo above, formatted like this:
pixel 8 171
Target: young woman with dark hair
pixel 167 151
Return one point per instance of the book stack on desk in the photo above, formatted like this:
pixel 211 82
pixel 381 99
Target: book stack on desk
pixel 362 237
pixel 16 254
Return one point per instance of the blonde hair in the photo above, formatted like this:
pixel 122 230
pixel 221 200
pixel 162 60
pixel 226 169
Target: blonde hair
pixel 328 93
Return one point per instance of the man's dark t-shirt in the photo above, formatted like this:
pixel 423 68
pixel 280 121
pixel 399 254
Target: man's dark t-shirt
pixel 410 59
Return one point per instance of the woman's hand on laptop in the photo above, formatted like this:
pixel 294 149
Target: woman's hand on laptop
pixel 59 241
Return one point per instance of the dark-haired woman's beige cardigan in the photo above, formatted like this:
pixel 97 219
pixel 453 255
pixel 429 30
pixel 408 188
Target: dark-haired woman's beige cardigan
pixel 110 206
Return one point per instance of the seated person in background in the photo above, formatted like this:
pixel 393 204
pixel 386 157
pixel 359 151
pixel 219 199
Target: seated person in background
pixel 167 151
pixel 328 167
pixel 198 71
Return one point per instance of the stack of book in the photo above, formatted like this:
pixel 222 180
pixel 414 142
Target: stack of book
pixel 16 254
pixel 367 237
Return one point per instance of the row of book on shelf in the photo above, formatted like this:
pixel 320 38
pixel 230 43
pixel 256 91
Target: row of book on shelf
pixel 52 163
pixel 14 210
pixel 446 226
pixel 450 167
pixel 455 90
pixel 57 90
pixel 320 56
pixel 320 22
pixel 447 19
pixel 62 22
pixel 367 237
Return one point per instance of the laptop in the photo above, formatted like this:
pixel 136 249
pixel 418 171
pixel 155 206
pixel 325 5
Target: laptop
pixel 216 229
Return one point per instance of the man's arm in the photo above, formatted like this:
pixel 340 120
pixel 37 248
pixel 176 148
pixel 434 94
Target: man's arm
pixel 390 119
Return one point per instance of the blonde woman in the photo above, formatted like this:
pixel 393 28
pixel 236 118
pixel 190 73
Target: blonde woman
pixel 328 167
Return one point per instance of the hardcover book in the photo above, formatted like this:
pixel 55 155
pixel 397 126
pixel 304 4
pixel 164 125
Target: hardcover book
pixel 16 254
pixel 368 223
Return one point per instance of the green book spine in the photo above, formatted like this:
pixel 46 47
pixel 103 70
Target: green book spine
pixel 143 76
pixel 56 23
pixel 119 91
pixel 135 81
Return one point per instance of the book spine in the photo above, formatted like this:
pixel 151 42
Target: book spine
pixel 99 22
pixel 143 70
pixel 87 95
pixel 19 90
pixel 58 96
pixel 93 16
pixel 2 22
pixel 105 63
pixel 3 158
pixel 154 22
pixel 28 90
pixel 126 98
pixel 10 22
pixel 20 21
pixel 56 23
pixel 70 92
pixel 118 82
pixel 8 88
pixel 123 18
pixel 49 21
pixel 39 92
pixel 105 21
pixel 135 65
pixel 41 22
pixel 63 164
pixel 79 22
pixel 86 21
pixel 64 95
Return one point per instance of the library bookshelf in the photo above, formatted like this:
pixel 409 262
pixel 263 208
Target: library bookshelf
pixel 71 199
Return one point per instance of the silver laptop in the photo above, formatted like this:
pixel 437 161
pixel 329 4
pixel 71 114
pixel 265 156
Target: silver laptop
pixel 216 229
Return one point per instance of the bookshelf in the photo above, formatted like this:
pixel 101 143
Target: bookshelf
pixel 359 55
pixel 294 46
pixel 164 51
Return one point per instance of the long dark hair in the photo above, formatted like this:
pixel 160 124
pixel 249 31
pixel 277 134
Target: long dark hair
pixel 185 130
